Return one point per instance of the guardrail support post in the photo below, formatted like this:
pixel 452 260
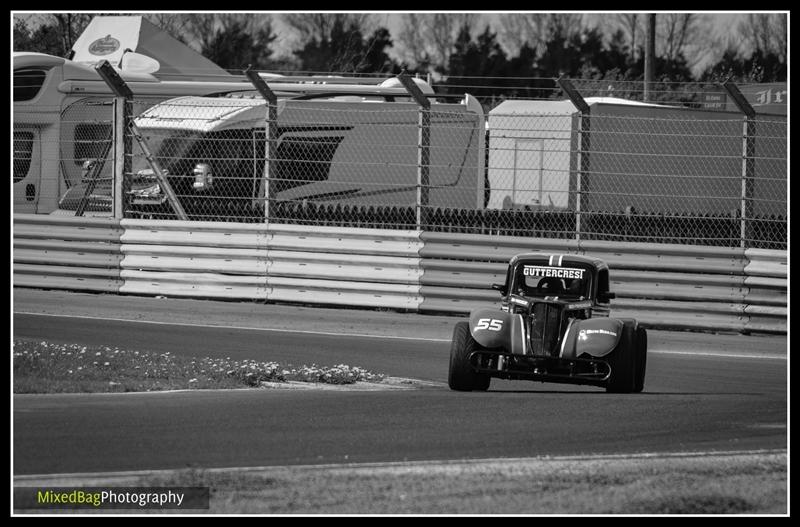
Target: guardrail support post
pixel 423 146
pixel 748 159
pixel 584 110
pixel 272 134
pixel 122 91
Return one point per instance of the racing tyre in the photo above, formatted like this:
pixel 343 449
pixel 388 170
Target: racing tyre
pixel 462 377
pixel 623 362
pixel 641 359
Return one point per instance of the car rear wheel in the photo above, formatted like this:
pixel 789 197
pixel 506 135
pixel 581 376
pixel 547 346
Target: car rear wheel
pixel 641 358
pixel 623 362
pixel 462 376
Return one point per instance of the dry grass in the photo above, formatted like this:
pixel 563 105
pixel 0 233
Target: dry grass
pixel 745 484
pixel 44 367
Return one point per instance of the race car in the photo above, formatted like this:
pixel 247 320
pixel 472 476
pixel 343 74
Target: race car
pixel 553 326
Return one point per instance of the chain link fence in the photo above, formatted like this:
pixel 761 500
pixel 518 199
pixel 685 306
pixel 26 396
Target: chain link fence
pixel 210 155
pixel 339 155
pixel 528 168
pixel 86 165
pixel 74 160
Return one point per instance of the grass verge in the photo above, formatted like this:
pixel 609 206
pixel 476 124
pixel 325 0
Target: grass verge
pixel 744 483
pixel 44 367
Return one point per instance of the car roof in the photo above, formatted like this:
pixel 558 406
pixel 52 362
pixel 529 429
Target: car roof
pixel 558 260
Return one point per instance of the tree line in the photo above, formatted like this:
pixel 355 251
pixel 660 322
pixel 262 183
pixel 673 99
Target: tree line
pixel 465 55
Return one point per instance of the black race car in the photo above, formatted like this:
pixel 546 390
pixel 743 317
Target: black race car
pixel 553 326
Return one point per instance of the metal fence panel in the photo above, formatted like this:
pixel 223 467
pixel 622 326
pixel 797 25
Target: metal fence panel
pixel 622 172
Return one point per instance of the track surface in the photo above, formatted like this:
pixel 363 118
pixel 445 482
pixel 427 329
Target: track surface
pixel 691 402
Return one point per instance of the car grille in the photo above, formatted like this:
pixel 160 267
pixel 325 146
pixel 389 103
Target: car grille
pixel 545 329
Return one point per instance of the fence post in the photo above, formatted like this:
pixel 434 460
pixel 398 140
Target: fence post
pixel 272 134
pixel 423 146
pixel 584 110
pixel 122 163
pixel 121 146
pixel 748 160
pixel 121 90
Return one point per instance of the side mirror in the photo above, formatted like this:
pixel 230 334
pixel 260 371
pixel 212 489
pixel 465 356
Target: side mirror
pixel 500 287
pixel 606 297
pixel 519 300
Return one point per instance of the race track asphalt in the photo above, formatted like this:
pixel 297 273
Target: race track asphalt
pixel 732 399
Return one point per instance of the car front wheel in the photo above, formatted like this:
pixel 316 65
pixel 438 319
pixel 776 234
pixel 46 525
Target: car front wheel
pixel 641 359
pixel 462 376
pixel 623 361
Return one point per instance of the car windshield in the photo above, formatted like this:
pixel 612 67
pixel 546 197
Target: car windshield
pixel 570 281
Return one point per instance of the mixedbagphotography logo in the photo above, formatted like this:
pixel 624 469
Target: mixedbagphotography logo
pixel 111 498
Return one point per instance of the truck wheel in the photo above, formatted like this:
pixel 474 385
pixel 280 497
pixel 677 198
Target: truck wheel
pixel 462 376
pixel 641 359
pixel 623 362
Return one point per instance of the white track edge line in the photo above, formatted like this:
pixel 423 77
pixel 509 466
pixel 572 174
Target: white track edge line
pixel 401 464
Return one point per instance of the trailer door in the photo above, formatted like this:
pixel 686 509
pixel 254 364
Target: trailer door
pixel 27 169
pixel 527 181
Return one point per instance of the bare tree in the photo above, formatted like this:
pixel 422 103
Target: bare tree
pixel 411 40
pixel 519 28
pixel 563 24
pixel 782 34
pixel 686 34
pixel 318 26
pixel 429 37
pixel 202 27
pixel 71 25
pixel 536 28
pixel 631 24
pixel 177 25
pixel 673 33
pixel 440 30
pixel 765 32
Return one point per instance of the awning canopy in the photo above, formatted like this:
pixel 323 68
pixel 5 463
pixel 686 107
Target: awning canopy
pixel 109 37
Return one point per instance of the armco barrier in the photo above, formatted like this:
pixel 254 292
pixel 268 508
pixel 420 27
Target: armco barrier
pixel 344 266
pixel 60 252
pixel 662 285
pixel 291 263
pixel 766 279
pixel 194 259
